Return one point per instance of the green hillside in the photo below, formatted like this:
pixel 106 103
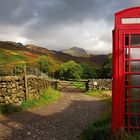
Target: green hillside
pixel 13 57
pixel 12 54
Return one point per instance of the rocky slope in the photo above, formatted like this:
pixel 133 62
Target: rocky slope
pixel 75 51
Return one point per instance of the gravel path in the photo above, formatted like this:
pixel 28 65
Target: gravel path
pixel 62 120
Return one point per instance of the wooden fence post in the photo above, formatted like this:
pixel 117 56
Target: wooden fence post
pixel 25 80
pixel 87 85
pixel 57 82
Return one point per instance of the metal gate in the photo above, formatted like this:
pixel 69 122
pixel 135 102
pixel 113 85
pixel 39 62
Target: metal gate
pixel 72 86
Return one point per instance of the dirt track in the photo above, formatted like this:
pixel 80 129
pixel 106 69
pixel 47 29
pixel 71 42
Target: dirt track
pixel 62 120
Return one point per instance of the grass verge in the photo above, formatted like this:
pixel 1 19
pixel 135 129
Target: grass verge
pixel 48 96
pixel 101 128
pixel 99 94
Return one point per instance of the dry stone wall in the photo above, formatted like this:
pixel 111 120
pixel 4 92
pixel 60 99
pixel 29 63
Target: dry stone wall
pixel 13 91
pixel 35 85
pixel 100 84
pixel 12 88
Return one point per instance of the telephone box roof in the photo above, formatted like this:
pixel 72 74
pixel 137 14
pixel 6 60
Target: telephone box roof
pixel 128 18
pixel 128 10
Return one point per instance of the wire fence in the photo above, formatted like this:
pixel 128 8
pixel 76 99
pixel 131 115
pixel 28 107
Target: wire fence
pixel 11 71
pixel 20 70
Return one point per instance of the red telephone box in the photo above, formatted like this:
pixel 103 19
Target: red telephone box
pixel 126 70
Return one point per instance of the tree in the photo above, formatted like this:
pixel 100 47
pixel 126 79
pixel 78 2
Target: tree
pixel 47 65
pixel 70 70
pixel 88 71
pixel 106 71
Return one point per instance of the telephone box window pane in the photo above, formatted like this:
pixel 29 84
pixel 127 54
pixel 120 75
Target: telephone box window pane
pixel 126 53
pixel 126 107
pixel 135 107
pixel 135 66
pixel 135 93
pixel 135 121
pixel 126 79
pixel 135 53
pixel 130 20
pixel 126 120
pixel 135 40
pixel 126 40
pixel 135 80
pixel 126 66
pixel 126 93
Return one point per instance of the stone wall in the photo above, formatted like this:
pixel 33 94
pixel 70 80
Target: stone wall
pixel 35 85
pixel 13 91
pixel 12 88
pixel 100 84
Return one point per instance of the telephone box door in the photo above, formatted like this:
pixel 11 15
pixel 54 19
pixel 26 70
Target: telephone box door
pixel 131 50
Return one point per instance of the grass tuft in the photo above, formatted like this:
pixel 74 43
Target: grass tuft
pixel 48 96
pixel 99 94
pixel 9 108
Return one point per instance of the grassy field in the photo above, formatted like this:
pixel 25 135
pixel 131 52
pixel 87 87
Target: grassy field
pixel 80 85
pixel 10 57
pixel 50 95
pixel 76 84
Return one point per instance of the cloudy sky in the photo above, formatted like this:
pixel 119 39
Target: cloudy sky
pixel 61 24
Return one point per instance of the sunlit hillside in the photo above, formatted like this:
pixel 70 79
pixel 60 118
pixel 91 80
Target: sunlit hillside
pixel 12 53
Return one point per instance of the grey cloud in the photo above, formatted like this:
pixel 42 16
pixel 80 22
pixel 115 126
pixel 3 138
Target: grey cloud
pixel 69 11
pixel 55 13
pixel 60 23
pixel 50 12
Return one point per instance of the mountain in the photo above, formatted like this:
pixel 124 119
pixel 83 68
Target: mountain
pixel 12 53
pixel 75 51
